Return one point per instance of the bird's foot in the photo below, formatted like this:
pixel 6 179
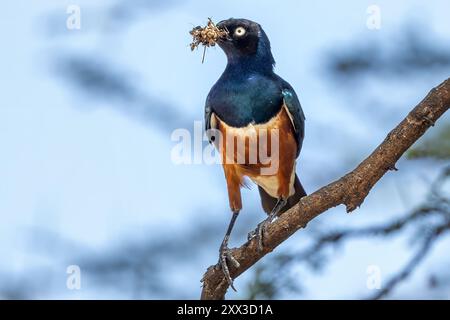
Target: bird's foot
pixel 259 232
pixel 261 228
pixel 224 257
pixel 428 121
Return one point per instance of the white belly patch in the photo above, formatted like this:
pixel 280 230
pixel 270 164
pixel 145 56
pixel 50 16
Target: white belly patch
pixel 270 184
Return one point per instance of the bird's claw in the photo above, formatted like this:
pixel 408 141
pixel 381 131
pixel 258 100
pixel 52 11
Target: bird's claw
pixel 225 255
pixel 428 120
pixel 261 228
pixel 259 232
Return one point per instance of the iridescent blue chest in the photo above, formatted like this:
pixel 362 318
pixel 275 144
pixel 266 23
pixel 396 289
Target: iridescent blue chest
pixel 240 100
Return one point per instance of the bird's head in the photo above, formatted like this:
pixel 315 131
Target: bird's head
pixel 245 40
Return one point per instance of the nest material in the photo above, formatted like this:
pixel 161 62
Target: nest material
pixel 206 36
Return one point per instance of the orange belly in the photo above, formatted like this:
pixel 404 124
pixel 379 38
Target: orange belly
pixel 266 153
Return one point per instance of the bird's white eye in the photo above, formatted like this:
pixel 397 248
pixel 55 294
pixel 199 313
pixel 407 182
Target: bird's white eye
pixel 240 31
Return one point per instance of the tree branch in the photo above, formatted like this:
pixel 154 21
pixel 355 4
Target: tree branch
pixel 349 190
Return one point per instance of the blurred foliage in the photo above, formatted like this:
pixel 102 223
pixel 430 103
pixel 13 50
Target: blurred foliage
pixel 103 81
pixel 260 287
pixel 139 267
pixel 435 147
pixel 413 51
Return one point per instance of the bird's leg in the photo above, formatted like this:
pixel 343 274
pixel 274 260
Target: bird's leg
pixel 260 229
pixel 225 254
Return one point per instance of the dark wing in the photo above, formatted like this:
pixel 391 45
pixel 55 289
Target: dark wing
pixel 296 114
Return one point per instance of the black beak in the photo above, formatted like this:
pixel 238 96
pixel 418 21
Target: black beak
pixel 222 25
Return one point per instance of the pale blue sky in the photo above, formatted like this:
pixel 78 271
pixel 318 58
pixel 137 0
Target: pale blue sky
pixel 74 166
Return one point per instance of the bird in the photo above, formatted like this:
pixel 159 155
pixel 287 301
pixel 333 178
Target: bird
pixel 250 101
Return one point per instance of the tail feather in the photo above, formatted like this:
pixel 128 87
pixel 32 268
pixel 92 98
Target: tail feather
pixel 268 202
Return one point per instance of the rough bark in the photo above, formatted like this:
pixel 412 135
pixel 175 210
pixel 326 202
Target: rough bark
pixel 349 190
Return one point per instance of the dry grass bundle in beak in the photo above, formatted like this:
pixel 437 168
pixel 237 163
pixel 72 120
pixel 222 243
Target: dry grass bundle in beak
pixel 206 36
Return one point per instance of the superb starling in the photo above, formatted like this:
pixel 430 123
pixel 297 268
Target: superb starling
pixel 249 100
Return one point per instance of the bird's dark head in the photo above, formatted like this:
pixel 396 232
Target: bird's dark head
pixel 245 41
